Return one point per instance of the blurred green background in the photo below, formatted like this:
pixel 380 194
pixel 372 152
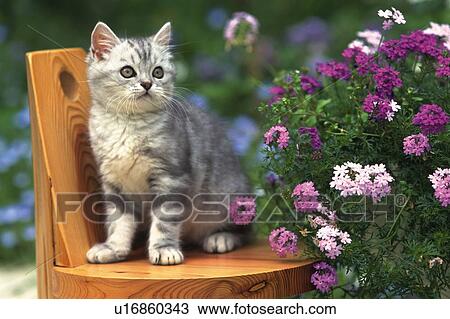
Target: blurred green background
pixel 231 83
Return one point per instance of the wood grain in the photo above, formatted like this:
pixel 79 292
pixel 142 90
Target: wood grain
pixel 60 96
pixel 250 272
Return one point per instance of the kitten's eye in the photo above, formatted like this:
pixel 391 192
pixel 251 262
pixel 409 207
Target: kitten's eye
pixel 158 72
pixel 127 72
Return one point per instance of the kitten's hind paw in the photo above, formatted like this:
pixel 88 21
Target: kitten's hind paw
pixel 221 242
pixel 105 253
pixel 166 256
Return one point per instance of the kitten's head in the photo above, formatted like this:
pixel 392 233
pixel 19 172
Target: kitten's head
pixel 130 75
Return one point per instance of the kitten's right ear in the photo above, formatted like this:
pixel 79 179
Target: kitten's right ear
pixel 103 40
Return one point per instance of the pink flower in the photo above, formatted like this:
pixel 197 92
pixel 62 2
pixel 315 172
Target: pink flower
pixel 353 179
pixel 416 144
pixel 331 239
pixel 242 29
pixel 440 180
pixel 283 242
pixel 431 119
pixel 277 133
pixel 324 278
pixel 305 196
pixel 243 210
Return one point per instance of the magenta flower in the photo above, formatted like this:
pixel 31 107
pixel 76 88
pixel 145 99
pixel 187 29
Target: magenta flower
pixel 277 92
pixel 380 108
pixel 431 119
pixel 309 84
pixel 305 197
pixel 241 29
pixel 386 79
pixel 416 144
pixel 335 70
pixel 278 134
pixel 324 278
pixel 243 210
pixel 419 42
pixel 443 67
pixel 440 180
pixel 283 242
pixel 394 49
pixel 313 134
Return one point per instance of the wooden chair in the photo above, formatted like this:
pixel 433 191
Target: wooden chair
pixel 63 163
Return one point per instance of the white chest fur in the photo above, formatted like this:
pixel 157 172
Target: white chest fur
pixel 116 144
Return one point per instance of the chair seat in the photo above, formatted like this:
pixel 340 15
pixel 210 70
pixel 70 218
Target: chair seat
pixel 250 272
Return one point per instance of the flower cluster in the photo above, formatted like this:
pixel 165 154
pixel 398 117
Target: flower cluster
pixel 368 41
pixel 416 144
pixel 283 242
pixel 331 239
pixel 440 30
pixel 309 84
pixel 276 93
pixel 386 80
pixel 241 29
pixel 431 119
pixel 335 70
pixel 354 179
pixel 415 42
pixel 440 180
pixel 380 108
pixel 443 67
pixel 243 210
pixel 305 197
pixel 313 134
pixel 277 133
pixel 324 278
pixel 391 17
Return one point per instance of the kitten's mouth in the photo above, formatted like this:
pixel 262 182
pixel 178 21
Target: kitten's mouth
pixel 144 95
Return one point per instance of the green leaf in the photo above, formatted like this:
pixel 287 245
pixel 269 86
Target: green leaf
pixel 321 104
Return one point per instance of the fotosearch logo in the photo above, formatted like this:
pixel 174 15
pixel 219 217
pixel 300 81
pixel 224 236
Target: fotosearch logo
pixel 214 208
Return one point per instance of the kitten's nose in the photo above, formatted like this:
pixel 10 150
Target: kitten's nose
pixel 146 85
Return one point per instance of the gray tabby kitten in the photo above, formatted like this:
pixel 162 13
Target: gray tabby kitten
pixel 145 140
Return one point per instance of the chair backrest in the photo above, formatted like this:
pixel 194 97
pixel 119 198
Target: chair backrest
pixel 62 158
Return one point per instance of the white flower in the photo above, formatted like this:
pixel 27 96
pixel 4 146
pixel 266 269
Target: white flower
pixel 385 14
pixel 359 44
pixel 440 30
pixel 398 17
pixel 395 106
pixel 372 37
pixel 434 261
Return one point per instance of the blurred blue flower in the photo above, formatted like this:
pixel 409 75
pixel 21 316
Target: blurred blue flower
pixel 22 118
pixel 216 18
pixel 312 30
pixel 13 153
pixel 263 92
pixel 15 213
pixel 241 133
pixel 21 179
pixel 29 233
pixel 198 100
pixel 8 239
pixel 27 198
pixel 3 33
pixel 208 68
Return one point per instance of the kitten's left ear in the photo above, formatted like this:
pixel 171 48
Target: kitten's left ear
pixel 163 36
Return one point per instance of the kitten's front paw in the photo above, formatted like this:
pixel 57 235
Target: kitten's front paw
pixel 220 243
pixel 104 253
pixel 166 256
